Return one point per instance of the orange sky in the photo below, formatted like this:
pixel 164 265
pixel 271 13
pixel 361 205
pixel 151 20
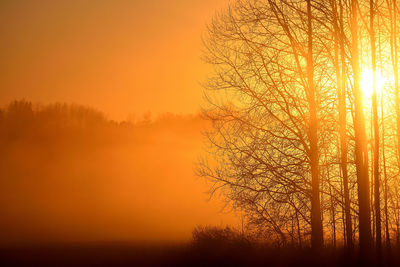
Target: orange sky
pixel 119 56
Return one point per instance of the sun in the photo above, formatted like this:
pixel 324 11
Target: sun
pixel 367 82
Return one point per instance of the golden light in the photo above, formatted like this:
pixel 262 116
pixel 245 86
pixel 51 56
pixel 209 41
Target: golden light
pixel 367 82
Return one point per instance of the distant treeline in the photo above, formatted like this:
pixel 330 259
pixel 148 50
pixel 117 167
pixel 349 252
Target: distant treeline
pixel 23 114
pixel 23 119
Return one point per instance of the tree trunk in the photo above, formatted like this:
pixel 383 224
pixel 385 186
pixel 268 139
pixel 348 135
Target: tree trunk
pixel 387 235
pixel 341 82
pixel 316 220
pixel 361 152
pixel 377 202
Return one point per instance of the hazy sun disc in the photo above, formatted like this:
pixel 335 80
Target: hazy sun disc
pixel 367 82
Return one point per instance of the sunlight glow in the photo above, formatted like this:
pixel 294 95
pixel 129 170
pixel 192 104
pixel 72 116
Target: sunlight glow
pixel 367 82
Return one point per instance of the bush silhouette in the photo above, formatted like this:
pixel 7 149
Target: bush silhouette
pixel 213 236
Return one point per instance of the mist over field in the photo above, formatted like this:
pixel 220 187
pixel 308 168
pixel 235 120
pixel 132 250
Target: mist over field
pixel 69 174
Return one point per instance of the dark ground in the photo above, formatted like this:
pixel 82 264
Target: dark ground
pixel 124 254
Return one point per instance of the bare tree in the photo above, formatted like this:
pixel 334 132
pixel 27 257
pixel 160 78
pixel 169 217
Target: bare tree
pixel 271 131
pixel 291 134
pixel 376 131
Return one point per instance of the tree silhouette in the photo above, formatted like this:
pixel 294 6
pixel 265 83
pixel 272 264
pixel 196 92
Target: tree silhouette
pixel 294 141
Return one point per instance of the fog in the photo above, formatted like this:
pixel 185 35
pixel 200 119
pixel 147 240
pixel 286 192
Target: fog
pixel 70 174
